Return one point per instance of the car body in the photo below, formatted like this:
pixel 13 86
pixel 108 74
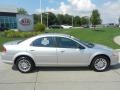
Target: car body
pixel 55 27
pixel 66 26
pixel 85 26
pixel 3 29
pixel 57 50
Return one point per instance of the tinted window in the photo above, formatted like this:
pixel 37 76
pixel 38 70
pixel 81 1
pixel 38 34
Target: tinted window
pixel 88 44
pixel 66 43
pixel 43 42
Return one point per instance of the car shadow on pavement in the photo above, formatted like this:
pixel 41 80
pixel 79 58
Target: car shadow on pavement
pixel 63 69
pixel 15 69
pixel 56 68
pixel 115 67
pixel 37 69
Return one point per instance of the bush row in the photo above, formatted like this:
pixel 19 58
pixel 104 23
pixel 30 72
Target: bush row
pixel 14 34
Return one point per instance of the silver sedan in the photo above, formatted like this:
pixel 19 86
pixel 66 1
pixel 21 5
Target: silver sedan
pixel 58 50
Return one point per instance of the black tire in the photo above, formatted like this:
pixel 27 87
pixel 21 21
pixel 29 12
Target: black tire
pixel 100 63
pixel 22 61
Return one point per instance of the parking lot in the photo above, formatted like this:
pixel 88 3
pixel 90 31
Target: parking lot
pixel 80 78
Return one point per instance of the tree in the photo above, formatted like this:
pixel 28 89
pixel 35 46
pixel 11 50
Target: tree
pixel 95 18
pixel 77 21
pixel 22 11
pixel 52 19
pixel 36 18
pixel 84 20
pixel 60 18
pixel 68 19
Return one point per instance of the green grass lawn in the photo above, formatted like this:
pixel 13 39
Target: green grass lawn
pixel 103 36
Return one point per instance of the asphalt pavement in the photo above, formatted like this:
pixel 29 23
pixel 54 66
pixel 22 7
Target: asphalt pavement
pixel 80 78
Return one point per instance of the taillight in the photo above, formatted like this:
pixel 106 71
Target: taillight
pixel 3 49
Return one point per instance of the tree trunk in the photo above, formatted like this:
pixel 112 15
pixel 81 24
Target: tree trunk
pixel 94 27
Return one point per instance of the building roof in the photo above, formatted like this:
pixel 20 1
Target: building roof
pixel 8 9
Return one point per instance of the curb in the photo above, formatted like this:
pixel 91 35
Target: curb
pixel 117 40
pixel 118 50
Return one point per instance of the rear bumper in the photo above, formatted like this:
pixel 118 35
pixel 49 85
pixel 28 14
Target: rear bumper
pixel 6 58
pixel 7 62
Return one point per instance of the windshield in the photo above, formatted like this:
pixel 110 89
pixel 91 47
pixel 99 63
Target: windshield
pixel 88 44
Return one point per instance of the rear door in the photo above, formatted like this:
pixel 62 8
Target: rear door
pixel 44 51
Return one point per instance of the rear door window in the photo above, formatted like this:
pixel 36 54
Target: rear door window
pixel 44 42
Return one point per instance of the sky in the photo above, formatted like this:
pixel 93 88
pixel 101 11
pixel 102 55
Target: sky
pixel 109 9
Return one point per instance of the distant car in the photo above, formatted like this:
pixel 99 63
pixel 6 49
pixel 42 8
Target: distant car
pixel 66 26
pixel 3 28
pixel 111 25
pixel 57 50
pixel 85 26
pixel 55 27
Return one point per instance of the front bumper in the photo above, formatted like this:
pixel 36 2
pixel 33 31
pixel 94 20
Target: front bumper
pixel 114 59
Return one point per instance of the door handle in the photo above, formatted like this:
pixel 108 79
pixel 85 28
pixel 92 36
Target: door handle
pixel 62 51
pixel 32 50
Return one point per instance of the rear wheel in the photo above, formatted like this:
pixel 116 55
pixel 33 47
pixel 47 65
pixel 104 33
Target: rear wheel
pixel 24 64
pixel 100 63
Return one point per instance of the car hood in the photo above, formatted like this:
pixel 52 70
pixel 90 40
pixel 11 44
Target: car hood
pixel 13 42
pixel 99 46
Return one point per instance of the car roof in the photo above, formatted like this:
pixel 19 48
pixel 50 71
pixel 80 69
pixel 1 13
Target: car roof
pixel 54 34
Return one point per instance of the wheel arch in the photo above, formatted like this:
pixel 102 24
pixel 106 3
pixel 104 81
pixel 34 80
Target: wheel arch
pixel 92 59
pixel 18 56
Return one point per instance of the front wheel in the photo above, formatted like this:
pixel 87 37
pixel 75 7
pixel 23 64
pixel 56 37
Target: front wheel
pixel 24 64
pixel 100 63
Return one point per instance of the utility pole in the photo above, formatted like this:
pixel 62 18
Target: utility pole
pixel 72 20
pixel 119 21
pixel 47 19
pixel 41 11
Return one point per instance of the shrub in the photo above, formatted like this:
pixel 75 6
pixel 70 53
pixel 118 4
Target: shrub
pixel 10 33
pixel 39 27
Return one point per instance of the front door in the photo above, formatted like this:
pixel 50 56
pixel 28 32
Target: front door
pixel 69 52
